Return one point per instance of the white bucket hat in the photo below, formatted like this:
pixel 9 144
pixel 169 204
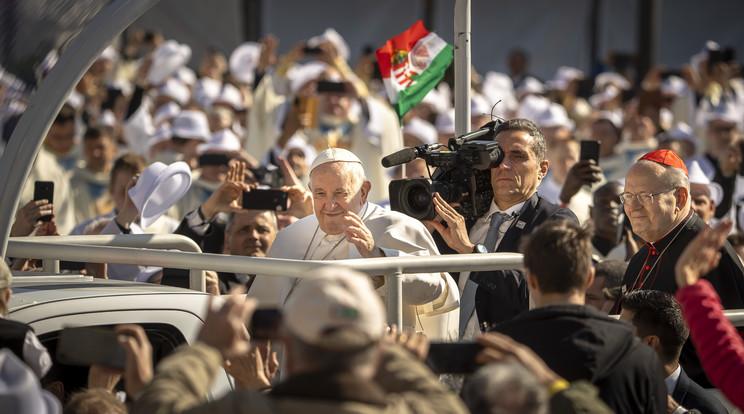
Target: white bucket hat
pixel 191 125
pixel 167 59
pixel 697 176
pixel 222 141
pixel 159 187
pixel 424 131
pixel 176 90
pixel 243 62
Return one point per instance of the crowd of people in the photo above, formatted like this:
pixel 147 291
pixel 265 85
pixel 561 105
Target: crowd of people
pixel 650 229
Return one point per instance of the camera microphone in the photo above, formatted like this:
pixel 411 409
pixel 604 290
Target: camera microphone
pixel 403 156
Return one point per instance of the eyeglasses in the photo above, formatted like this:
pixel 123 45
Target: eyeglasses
pixel 642 198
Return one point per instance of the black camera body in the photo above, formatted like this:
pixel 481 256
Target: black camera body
pixel 462 177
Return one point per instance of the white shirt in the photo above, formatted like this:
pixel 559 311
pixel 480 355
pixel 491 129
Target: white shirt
pixel 35 355
pixel 672 380
pixel 478 236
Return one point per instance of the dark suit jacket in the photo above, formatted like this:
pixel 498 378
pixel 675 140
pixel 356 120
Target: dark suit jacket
pixel 690 395
pixel 502 295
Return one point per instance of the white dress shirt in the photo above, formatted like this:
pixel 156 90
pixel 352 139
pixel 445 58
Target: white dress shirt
pixel 478 236
pixel 672 380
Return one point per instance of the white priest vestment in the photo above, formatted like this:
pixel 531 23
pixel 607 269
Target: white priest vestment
pixel 430 300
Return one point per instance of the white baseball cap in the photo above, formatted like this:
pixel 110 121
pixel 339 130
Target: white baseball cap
pixel 336 308
pixel 334 155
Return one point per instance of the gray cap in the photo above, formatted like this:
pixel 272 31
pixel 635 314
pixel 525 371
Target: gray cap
pixel 20 391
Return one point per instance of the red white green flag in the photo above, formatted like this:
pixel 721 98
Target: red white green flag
pixel 411 64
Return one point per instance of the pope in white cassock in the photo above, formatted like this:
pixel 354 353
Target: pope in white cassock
pixel 346 226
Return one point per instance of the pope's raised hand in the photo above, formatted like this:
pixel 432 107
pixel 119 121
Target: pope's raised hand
pixel 359 235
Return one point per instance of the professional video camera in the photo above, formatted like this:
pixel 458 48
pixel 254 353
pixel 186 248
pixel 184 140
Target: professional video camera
pixel 462 176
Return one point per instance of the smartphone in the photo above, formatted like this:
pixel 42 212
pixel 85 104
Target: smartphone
pixel 213 159
pixel 85 346
pixel 44 190
pixel 265 323
pixel 310 50
pixel 264 199
pixel 453 357
pixel 589 150
pixel 332 87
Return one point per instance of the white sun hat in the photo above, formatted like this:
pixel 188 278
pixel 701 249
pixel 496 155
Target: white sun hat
pixel 192 125
pixel 166 60
pixel 221 141
pixel 243 62
pixel 158 188
pixel 697 176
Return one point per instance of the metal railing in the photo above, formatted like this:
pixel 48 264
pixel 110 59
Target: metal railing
pixel 392 268
pixel 152 241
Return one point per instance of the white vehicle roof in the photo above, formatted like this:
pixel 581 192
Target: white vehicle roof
pixel 36 290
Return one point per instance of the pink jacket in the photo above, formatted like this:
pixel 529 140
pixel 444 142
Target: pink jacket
pixel 718 344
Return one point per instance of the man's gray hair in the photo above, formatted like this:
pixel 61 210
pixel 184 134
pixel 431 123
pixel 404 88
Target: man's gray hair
pixel 505 387
pixel 525 125
pixel 271 213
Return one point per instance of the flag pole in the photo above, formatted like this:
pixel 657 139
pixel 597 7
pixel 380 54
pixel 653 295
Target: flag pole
pixel 462 66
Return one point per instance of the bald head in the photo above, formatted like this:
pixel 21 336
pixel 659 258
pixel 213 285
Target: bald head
pixel 657 199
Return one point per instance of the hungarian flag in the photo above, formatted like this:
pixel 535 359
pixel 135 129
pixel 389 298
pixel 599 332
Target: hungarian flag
pixel 411 64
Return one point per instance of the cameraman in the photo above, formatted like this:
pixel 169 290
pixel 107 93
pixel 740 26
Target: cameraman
pixel 491 297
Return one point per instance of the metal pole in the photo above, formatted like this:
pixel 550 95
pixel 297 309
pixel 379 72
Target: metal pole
pixel 394 298
pixel 50 266
pixel 197 281
pixel 462 66
pixel 46 102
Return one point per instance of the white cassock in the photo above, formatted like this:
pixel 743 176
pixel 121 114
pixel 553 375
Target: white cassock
pixel 431 301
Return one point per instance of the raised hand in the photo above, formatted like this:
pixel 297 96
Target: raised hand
pixel 224 328
pixel 138 370
pixel 300 199
pixel 29 215
pixel 228 196
pixel 359 235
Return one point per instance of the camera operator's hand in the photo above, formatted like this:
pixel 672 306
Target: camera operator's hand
pixel 224 328
pixel 138 370
pixel 455 234
pixel 227 197
pixel 29 215
pixel 702 254
pixel 584 172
